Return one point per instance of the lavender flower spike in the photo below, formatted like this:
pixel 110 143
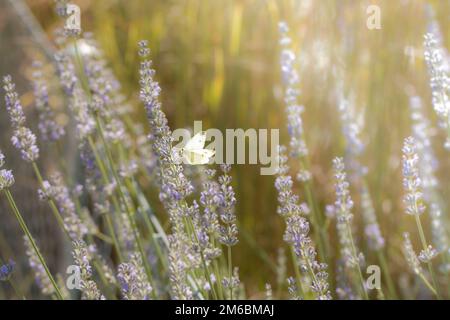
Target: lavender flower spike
pixel 81 255
pixel 293 110
pixel 6 179
pixel 175 187
pixel 13 105
pixel 49 128
pixel 133 280
pixel 343 206
pixel 414 201
pixel 411 180
pixel 6 176
pixel 23 139
pixel 228 232
pixel 372 230
pixel 438 68
pixel 428 165
pixel 297 230
pixel 411 256
pixel 56 190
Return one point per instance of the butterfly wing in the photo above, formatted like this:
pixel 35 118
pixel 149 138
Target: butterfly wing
pixel 197 142
pixel 193 151
pixel 198 156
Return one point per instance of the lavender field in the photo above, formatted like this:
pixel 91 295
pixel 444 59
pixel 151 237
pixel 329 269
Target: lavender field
pixel 347 101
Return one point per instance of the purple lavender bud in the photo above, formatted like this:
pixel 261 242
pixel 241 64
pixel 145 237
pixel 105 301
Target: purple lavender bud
pixel 293 289
pixel 82 256
pixel 6 179
pixel 6 270
pixel 297 234
pixel 40 275
pixel 228 232
pixel 13 105
pixel 411 256
pixel 298 148
pixel 6 176
pixel 133 280
pixel 411 180
pixel 50 130
pixel 66 72
pixel 178 268
pixel 343 206
pixel 438 67
pixel 23 139
pixel 372 229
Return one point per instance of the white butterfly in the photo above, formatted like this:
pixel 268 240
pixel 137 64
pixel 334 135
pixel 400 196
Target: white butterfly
pixel 193 152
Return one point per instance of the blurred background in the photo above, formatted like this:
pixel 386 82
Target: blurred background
pixel 218 61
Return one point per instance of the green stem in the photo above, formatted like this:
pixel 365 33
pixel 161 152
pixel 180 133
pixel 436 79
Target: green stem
pixel 98 160
pixel 207 273
pixel 130 212
pixel 316 217
pixel 50 201
pixel 425 247
pixel 132 187
pixel 110 227
pixel 387 274
pixel 230 272
pixel 298 277
pixel 105 179
pixel 103 237
pixel 355 257
pixel 31 239
pixel 311 271
pixel 16 289
pixel 427 283
pixel 218 274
